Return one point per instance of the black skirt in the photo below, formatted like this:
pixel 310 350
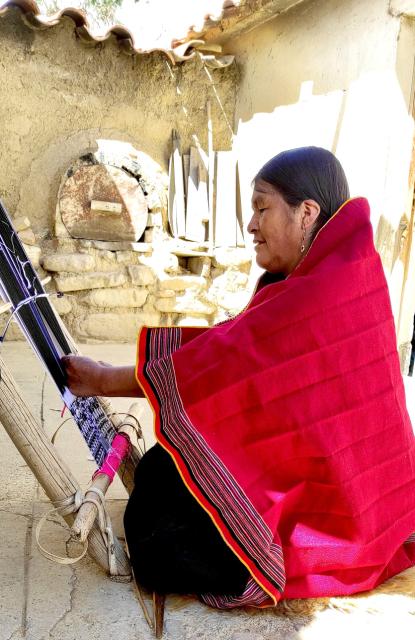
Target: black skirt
pixel 173 544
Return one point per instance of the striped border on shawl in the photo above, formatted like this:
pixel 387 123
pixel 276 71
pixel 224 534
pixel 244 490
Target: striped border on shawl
pixel 206 477
pixel 252 596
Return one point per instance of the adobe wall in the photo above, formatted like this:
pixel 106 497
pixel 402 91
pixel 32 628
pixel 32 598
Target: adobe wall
pixel 338 74
pixel 59 100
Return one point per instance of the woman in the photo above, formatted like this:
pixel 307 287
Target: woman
pixel 285 464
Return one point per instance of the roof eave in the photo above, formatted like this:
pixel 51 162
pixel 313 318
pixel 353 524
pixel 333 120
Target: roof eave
pixel 402 8
pixel 238 19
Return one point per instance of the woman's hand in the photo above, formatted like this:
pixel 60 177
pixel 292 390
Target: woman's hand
pixel 85 377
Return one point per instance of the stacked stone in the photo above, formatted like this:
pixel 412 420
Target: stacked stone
pixel 112 289
pixel 27 237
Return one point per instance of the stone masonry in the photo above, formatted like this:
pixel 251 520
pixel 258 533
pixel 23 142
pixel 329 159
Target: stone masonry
pixel 112 289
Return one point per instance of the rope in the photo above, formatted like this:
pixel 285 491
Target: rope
pixel 21 304
pixel 70 505
pixel 65 507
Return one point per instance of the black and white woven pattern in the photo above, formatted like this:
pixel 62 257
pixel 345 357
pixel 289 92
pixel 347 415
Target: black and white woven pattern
pixel 20 285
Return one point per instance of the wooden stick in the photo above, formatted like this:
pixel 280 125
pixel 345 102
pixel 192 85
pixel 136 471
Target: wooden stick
pixel 88 511
pixel 45 463
pixel 143 605
pixel 158 605
pixel 225 209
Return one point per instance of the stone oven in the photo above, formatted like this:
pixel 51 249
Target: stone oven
pixel 113 257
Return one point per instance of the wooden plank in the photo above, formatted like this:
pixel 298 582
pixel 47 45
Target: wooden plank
pixel 189 253
pixel 240 231
pixel 197 210
pixel 179 209
pixel 186 168
pixel 225 220
pixel 172 215
pixel 211 177
pixel 203 193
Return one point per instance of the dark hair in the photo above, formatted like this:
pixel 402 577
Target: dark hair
pixel 308 173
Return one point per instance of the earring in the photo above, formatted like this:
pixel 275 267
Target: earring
pixel 302 248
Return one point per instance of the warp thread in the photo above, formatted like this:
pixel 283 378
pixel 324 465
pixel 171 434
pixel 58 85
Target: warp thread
pixel 20 285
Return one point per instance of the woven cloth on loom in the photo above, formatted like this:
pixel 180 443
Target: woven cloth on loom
pixel 289 426
pixel 20 285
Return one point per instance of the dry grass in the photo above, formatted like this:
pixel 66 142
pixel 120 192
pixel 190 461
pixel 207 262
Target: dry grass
pixel 401 586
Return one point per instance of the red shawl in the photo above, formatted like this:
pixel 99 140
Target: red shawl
pixel 288 423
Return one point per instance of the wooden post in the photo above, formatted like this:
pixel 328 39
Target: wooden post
pixel 45 463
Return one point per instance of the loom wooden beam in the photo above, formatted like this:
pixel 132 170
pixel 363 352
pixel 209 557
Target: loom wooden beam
pixel 45 463
pixel 127 468
pixel 88 511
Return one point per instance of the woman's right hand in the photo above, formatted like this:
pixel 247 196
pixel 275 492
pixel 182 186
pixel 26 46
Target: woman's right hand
pixel 84 376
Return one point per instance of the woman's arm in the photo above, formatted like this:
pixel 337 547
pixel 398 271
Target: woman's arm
pixel 85 377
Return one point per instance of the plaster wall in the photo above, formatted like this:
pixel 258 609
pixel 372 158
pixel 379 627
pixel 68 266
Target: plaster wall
pixel 58 97
pixel 334 73
pixel 60 100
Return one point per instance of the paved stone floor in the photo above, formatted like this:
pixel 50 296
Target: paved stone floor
pixel 40 600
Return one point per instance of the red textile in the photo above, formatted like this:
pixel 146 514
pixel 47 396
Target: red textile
pixel 288 423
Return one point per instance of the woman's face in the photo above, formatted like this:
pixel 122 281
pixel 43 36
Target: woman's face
pixel 278 230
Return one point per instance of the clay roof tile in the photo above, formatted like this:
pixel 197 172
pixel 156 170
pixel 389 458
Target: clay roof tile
pixel 179 51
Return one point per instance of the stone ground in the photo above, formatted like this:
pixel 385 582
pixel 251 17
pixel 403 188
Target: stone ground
pixel 40 600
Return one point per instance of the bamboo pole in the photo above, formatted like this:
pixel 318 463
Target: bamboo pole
pixel 45 463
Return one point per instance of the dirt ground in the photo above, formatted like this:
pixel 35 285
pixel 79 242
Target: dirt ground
pixel 40 600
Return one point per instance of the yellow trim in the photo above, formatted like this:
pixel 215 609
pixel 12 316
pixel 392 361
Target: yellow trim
pixel 139 381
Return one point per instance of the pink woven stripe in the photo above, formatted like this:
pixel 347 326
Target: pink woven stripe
pixel 119 449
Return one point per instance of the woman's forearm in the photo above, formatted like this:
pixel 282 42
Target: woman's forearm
pixel 85 377
pixel 120 382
